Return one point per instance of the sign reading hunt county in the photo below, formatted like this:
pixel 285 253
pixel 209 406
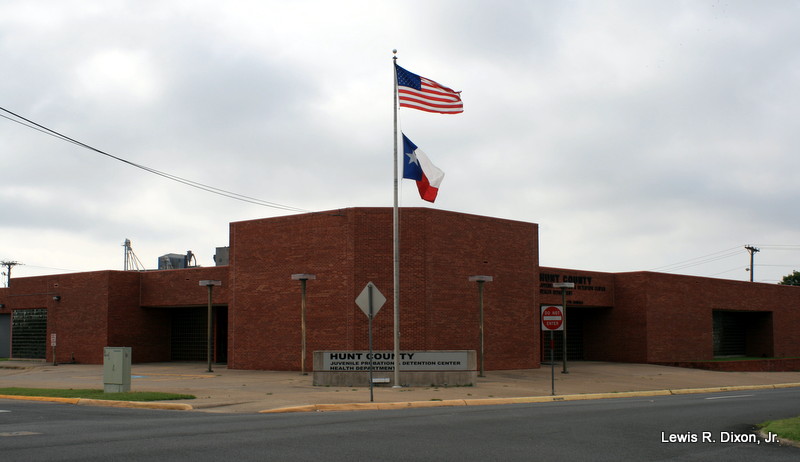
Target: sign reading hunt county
pixel 382 361
pixel 552 317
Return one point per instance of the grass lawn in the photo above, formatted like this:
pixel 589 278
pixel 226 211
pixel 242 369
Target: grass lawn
pixel 786 428
pixel 94 394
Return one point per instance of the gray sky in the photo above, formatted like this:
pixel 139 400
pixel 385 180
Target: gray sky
pixel 640 135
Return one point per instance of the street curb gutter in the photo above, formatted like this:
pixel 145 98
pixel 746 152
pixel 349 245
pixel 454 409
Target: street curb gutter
pixel 521 400
pixel 459 402
pixel 42 398
pixel 136 404
pixel 719 389
pixel 408 404
pixel 103 402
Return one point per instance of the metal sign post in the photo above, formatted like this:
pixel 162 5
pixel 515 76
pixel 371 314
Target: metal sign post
pixel 53 344
pixel 552 317
pixel 370 287
pixel 552 367
pixel 370 300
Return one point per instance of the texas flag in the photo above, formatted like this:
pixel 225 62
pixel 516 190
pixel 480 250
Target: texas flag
pixel 417 166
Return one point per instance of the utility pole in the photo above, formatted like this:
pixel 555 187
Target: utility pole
pixel 752 251
pixel 9 265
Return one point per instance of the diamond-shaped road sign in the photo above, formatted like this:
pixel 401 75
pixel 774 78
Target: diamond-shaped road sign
pixel 377 299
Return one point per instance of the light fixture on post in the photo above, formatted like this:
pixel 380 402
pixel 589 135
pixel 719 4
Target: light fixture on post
pixel 480 280
pixel 564 286
pixel 210 284
pixel 303 277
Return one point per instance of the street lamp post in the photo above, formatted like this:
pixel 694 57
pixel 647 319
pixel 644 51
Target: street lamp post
pixel 564 286
pixel 480 280
pixel 303 277
pixel 210 284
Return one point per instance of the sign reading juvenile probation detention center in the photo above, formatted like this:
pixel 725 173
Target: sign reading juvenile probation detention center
pixel 417 368
pixel 356 361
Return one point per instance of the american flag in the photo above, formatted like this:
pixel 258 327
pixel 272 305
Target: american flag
pixel 426 95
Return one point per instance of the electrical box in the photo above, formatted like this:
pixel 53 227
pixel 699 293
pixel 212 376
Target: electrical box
pixel 116 369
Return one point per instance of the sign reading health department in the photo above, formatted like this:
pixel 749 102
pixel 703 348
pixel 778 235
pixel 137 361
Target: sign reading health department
pixel 382 361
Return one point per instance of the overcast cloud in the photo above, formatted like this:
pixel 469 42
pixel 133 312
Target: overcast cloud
pixel 638 134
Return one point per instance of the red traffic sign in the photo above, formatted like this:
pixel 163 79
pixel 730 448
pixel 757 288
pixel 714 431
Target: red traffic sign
pixel 552 317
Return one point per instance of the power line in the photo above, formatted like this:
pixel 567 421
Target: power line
pixel 204 187
pixel 780 247
pixel 738 268
pixel 712 257
pixel 724 254
pixel 51 268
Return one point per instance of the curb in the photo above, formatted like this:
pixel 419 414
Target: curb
pixel 135 404
pixel 42 398
pixel 783 441
pixel 521 400
pixel 407 404
pixel 103 402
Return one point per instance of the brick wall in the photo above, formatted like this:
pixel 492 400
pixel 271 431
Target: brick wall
pixel 181 287
pixel 347 249
pixel 680 315
pixel 78 318
pixel 104 308
pixel 628 317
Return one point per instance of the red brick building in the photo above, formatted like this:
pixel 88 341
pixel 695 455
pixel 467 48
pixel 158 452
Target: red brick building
pixel 629 317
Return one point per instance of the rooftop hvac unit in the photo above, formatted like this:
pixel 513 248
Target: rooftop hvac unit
pixel 222 257
pixel 171 261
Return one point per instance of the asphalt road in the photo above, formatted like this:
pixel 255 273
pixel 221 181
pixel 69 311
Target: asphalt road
pixel 609 429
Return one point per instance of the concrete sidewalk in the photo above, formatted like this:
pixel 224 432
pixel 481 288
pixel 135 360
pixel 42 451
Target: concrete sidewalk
pixel 241 391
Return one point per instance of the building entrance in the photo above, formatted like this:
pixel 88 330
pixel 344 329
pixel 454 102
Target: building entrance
pixel 5 335
pixel 29 328
pixel 189 334
pixel 742 333
pixel 584 331
pixel 574 340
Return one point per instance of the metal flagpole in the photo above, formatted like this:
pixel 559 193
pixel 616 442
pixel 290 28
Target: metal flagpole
pixel 396 237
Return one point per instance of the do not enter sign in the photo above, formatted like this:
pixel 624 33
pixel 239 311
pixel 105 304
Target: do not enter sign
pixel 552 317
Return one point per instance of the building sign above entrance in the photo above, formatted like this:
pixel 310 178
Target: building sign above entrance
pixel 590 288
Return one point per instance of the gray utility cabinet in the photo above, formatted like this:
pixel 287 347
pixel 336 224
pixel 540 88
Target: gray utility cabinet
pixel 116 369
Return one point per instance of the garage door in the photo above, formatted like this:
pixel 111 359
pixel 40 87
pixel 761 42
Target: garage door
pixel 29 334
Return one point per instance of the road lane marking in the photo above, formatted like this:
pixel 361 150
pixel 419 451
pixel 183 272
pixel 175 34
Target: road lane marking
pixel 729 397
